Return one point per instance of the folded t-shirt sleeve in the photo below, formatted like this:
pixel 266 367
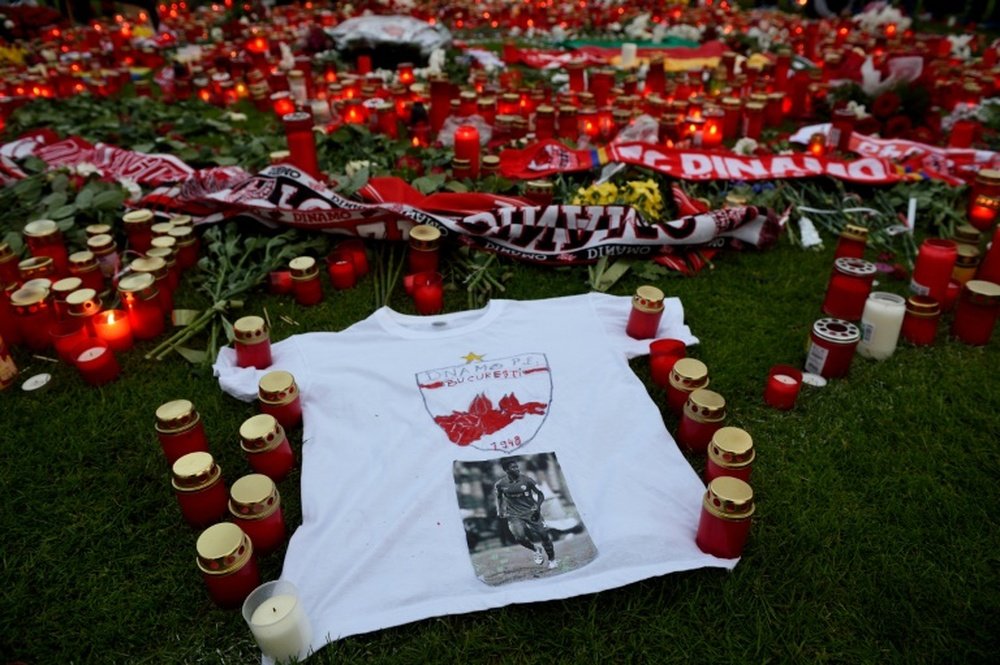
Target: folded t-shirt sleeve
pixel 241 382
pixel 613 313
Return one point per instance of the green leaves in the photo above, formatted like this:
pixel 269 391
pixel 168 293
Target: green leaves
pixel 429 184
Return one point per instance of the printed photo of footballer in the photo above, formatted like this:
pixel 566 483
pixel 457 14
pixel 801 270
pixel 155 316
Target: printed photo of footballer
pixel 520 520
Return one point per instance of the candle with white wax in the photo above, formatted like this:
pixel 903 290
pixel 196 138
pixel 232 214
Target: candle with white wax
pixel 275 616
pixel 881 322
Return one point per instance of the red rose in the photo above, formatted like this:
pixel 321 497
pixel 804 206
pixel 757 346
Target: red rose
pixel 885 105
pixel 896 126
pixel 868 125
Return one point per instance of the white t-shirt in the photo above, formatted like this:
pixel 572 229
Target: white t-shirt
pixel 387 431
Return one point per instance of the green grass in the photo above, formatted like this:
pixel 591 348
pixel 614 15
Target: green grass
pixel 876 536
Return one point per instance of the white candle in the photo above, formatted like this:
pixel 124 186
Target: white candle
pixel 881 322
pixel 629 52
pixel 277 621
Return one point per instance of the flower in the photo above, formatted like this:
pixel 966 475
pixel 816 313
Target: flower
pixel 896 126
pixel 132 190
pixel 885 105
pixel 352 168
pixel 85 169
pixel 745 146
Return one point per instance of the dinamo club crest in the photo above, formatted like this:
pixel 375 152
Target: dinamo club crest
pixel 489 404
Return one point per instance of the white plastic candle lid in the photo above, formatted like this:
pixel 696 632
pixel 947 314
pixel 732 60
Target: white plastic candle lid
pixel 813 379
pixel 35 382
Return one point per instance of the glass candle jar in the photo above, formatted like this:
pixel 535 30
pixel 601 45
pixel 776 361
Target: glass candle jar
pixel 106 252
pixel 932 269
pixel 67 339
pixel 228 564
pixel 730 453
pixel 989 266
pixel 540 192
pixel 96 362
pixel 966 264
pixel 467 147
pixel 782 387
pixel 165 248
pixel 545 122
pixel 663 353
pixel 424 248
pixel 753 120
pixel 279 397
pixel 831 347
pixel 305 281
pixel 852 242
pixel 460 169
pixel 252 344
pixel 301 142
pixel 59 291
pixel 187 246
pixel 703 415
pixel 199 488
pixel 732 108
pixel 44 238
pixel 83 305
pixel 157 267
pixel 142 304
pixel 36 267
pixel 180 429
pixel 976 314
pixel 138 229
pixel 725 517
pixel 921 320
pixel 567 123
pixel 33 312
pixel 984 199
pixel 255 506
pixel 266 446
pixel 114 328
pixel 647 310
pixel 84 265
pixel 881 323
pixel 8 265
pixel 848 288
pixel 427 289
pixel 686 376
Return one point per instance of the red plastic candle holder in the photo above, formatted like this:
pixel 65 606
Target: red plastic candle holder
pixel 141 300
pixel 96 362
pixel 467 147
pixel 355 249
pixel 341 270
pixel 730 453
pixel 848 288
pixel 842 129
pixel 704 413
pixel 427 289
pixel 252 343
pixel 663 353
pixel 138 228
pixel 33 313
pixel 686 376
pixel 852 242
pixel 647 310
pixel 933 267
pixel 976 314
pixel 113 327
pixel 726 511
pixel 832 343
pixel 255 506
pixel 301 141
pixel 228 564
pixel 423 251
pixel 200 489
pixel 305 281
pixel 279 397
pixel 180 429
pixel 782 387
pixel 266 446
pixel 920 322
pixel 67 339
pixel 44 238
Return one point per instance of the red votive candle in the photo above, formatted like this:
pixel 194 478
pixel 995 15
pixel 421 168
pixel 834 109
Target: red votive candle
pixel 85 267
pixel 96 362
pixel 355 248
pixel 180 429
pixel 83 305
pixel 842 128
pixel 576 72
pixel 67 339
pixel 852 242
pixel 113 327
pixel 753 120
pixel 545 122
pixel 849 288
pixel 255 506
pixel 199 488
pixel 467 147
pixel 933 267
pixel 831 347
pixel 686 376
pixel 341 269
pixel 59 292
pixel 428 292
pixel 984 199
pixel 139 229
pixel 989 266
pixel 266 446
pixel 187 246
pixel 725 517
pixel 920 321
pixel 730 453
pixel 252 343
pixel 782 388
pixel 301 141
pixel 663 353
pixel 647 310
pixel 33 314
pixel 8 265
pixel 976 314
pixel 142 304
pixel 424 248
pixel 279 397
pixel 45 239
pixel 228 564
pixel 305 281
pixel 703 415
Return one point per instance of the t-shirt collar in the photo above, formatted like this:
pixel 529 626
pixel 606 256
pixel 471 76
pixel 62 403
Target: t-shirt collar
pixel 441 325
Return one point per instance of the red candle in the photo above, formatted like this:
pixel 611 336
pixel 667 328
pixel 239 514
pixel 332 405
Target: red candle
pixel 703 415
pixel 663 353
pixel 921 320
pixel 989 267
pixel 341 270
pixel 8 265
pixel 731 111
pixel 686 376
pixel 84 265
pixel 142 303
pixel 187 246
pixel 423 249
pixel 59 292
pixel 180 429
pixel 647 310
pixel 113 327
pixel 730 453
pixel 138 229
pixel 782 388
pixel 984 199
pixel 67 339
pixel 725 517
pixel 831 347
pixel 45 239
pixel 576 71
pixel 852 242
pixel 199 488
pixel 83 305
pixel 842 129
pixel 282 103
pixel 279 397
pixel 976 314
pixel 255 506
pixel 933 267
pixel 711 133
pixel 848 289
pixel 252 343
pixel 33 313
pixel 428 293
pixel 467 147
pixel 266 446
pixel 97 363
pixel 963 133
pixel 753 120
pixel 355 248
pixel 441 93
pixel 301 142
pixel 228 564
pixel 305 281
pixel 545 122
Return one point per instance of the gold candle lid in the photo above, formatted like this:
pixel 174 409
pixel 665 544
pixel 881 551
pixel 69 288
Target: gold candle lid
pixel 6 253
pixel 41 228
pixel 689 374
pixel 138 217
pixel 181 220
pixel 139 284
pixel 277 387
pixel 648 299
pixel 729 498
pixel 490 163
pixel 706 406
pixel 163 242
pixel 425 237
pixel 155 266
pixel 65 286
pixel 303 267
pixel 736 200
pixel 731 448
pixel 254 497
pixel 545 109
pixel 922 306
pixel 539 187
pixel 83 261
pixel 194 471
pixel 250 329
pixel 968 256
pixel 981 292
pixel 988 177
pixel 731 103
pixel 101 244
pixel 97 230
pixel 165 254
pixel 35 266
pixel 967 234
pixel 261 433
pixel 28 296
pixel 161 228
pixel 42 283
pixel 184 235
pixel 855 232
pixel 176 416
pixel 223 548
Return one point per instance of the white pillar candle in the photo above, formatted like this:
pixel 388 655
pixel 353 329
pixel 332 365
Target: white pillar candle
pixel 880 324
pixel 629 52
pixel 278 623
